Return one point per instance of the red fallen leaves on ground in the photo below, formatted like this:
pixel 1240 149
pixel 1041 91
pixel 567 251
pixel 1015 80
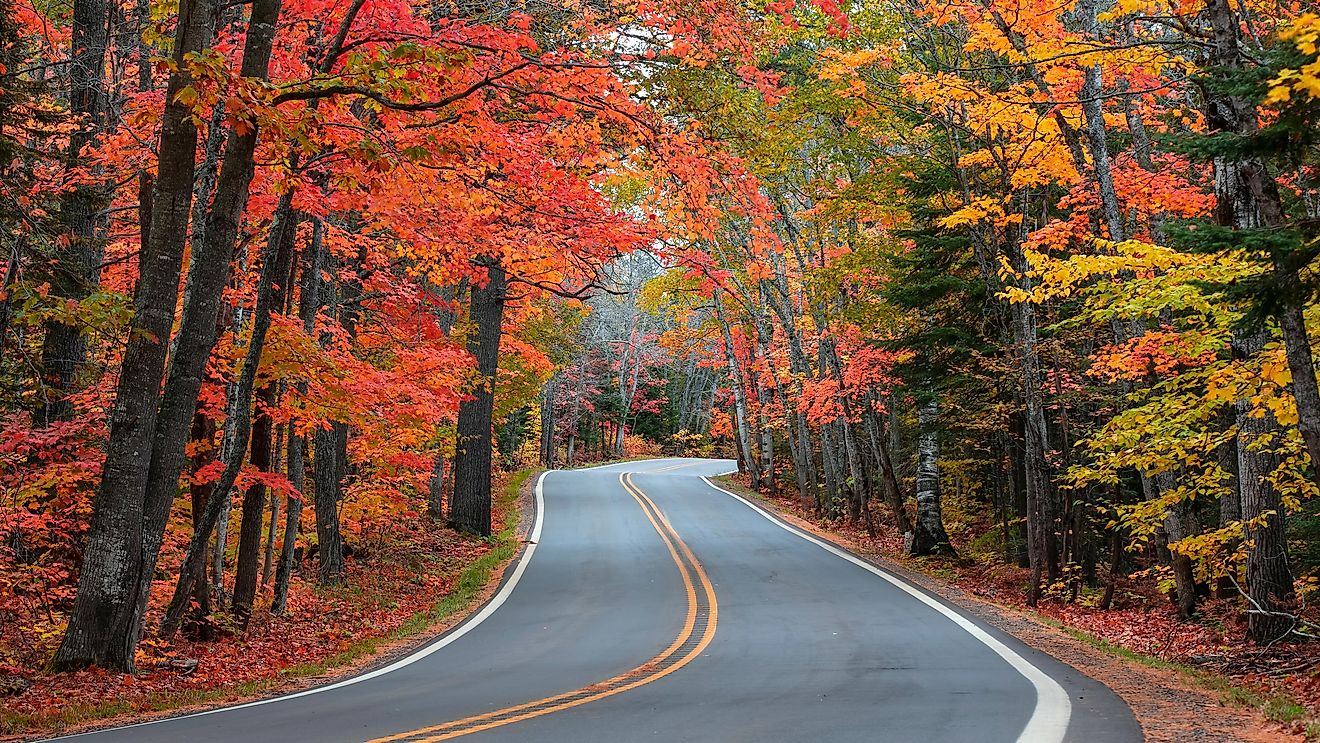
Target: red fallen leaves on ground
pixel 393 576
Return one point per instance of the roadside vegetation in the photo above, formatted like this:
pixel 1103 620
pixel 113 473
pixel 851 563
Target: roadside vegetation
pixel 1027 288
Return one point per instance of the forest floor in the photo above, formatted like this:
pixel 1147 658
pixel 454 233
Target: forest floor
pixel 404 588
pixel 1184 681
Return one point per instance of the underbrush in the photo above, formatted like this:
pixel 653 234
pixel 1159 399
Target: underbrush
pixel 403 581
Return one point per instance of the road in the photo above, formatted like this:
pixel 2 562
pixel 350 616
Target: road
pixel 651 605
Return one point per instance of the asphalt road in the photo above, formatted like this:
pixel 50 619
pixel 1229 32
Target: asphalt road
pixel 653 606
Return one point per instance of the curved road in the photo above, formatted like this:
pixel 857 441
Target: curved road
pixel 653 606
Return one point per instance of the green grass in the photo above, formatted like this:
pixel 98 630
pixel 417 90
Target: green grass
pixel 467 588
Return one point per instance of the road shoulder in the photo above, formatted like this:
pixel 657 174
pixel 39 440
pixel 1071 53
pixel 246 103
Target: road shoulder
pixel 474 588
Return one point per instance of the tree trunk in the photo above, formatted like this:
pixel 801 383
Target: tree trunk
pixel 1269 577
pixel 741 428
pixel 309 303
pixel 435 500
pixel 470 504
pixel 238 421
pixel 328 473
pixel 1042 516
pixel 928 536
pixel 207 276
pixel 292 517
pixel 548 424
pixel 75 274
pixel 201 438
pixel 1179 524
pixel 1246 197
pixel 1096 136
pixel 254 507
pixel 104 623
pixel 893 494
pixel 268 554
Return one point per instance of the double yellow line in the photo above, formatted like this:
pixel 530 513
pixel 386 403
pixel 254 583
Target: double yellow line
pixel 698 631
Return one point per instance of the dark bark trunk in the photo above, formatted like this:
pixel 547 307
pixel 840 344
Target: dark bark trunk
pixel 435 498
pixel 104 624
pixel 470 504
pixel 328 473
pixel 201 438
pixel 1017 462
pixel 75 274
pixel 309 303
pixel 274 267
pixel 254 506
pixel 1269 576
pixel 1179 524
pixel 207 276
pixel 1246 197
pixel 296 459
pixel 272 528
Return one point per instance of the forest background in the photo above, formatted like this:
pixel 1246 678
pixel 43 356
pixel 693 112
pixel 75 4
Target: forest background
pixel 1022 288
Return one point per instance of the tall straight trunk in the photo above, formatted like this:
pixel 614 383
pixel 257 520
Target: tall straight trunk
pixel 470 504
pixel 829 463
pixel 1017 464
pixel 75 274
pixel 798 445
pixel 104 624
pixel 254 507
pixel 199 493
pixel 1042 515
pixel 893 494
pixel 268 554
pixel 1301 363
pixel 296 466
pixel 765 435
pixel 741 427
pixel 777 297
pixel 928 535
pixel 435 496
pixel 219 549
pixel 238 421
pixel 1269 576
pixel 207 276
pixel 309 302
pixel 859 500
pixel 855 480
pixel 328 473
pixel 548 424
pixel 1230 504
pixel 1246 197
pixel 1096 136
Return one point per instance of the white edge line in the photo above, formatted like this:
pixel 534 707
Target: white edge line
pixel 465 627
pixel 1049 720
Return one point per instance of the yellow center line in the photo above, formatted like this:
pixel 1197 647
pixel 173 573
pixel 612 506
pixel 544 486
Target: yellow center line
pixel 656 668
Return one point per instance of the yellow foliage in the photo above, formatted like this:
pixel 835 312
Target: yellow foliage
pixel 1304 34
